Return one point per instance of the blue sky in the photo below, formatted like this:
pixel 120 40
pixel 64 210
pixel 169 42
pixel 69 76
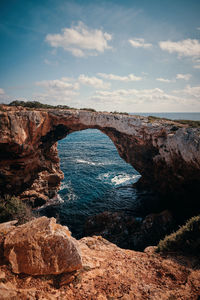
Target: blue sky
pixel 134 56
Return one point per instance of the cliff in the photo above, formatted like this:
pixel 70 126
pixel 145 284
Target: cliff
pixel 165 153
pixel 106 272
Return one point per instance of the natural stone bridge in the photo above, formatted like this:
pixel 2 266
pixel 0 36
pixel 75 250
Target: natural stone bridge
pixel 165 153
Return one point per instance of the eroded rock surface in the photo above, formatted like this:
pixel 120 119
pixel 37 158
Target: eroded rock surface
pixel 42 247
pixel 111 273
pixel 165 153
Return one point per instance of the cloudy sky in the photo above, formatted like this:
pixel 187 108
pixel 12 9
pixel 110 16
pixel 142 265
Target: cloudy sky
pixel 133 56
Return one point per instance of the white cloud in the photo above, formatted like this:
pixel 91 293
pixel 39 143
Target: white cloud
pixel 189 47
pixel 93 81
pixel 196 66
pixel 164 80
pixel 193 91
pixel 4 98
pixel 146 100
pixel 2 92
pixel 58 84
pixel 184 76
pixel 135 96
pixel 81 40
pixel 127 78
pixel 58 91
pixel 198 28
pixel 139 43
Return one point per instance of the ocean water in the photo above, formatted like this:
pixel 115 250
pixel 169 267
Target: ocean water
pixel 96 179
pixel 195 116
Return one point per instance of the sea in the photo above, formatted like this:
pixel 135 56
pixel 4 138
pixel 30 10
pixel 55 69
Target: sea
pixel 96 179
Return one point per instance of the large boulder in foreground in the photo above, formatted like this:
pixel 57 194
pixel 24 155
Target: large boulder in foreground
pixel 42 247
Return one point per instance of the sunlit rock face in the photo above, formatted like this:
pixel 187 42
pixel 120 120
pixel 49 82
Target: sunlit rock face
pixel 165 153
pixel 42 247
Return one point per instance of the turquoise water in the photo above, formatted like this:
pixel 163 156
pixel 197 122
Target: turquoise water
pixel 96 179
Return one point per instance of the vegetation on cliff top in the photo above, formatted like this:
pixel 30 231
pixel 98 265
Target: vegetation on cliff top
pixel 12 208
pixel 151 119
pixel 189 123
pixel 36 104
pixel 185 240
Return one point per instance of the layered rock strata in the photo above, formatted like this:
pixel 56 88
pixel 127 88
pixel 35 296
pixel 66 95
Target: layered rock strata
pixel 165 153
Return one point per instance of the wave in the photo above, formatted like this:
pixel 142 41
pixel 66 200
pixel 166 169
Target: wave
pixel 124 179
pixel 82 161
pixel 118 180
pixel 70 195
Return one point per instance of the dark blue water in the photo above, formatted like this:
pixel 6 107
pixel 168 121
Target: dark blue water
pixel 97 179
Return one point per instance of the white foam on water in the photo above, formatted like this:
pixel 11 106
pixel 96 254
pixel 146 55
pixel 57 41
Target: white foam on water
pixel 82 161
pixel 104 176
pixel 64 186
pixel 124 179
pixel 71 196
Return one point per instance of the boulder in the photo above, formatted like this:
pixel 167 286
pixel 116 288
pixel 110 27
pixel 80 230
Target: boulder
pixel 4 229
pixel 42 247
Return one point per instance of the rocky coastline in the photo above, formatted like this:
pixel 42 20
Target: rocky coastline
pixel 167 155
pixel 164 152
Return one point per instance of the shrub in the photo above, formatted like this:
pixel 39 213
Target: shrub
pixel 186 239
pixel 119 113
pixel 88 109
pixel 36 104
pixel 154 118
pixel 12 207
pixel 190 123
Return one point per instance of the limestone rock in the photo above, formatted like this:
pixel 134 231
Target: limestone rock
pixel 42 247
pixel 164 152
pixel 4 229
pixel 110 272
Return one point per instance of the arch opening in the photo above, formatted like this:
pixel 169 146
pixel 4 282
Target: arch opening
pixel 96 179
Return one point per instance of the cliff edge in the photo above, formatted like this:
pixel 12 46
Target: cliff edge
pixel 106 272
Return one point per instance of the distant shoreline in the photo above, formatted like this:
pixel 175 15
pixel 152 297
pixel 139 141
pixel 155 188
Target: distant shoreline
pixel 194 116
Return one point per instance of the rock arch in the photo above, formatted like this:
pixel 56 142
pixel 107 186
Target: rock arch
pixel 165 153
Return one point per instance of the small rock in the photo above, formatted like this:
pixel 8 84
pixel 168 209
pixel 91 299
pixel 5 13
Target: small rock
pixel 42 247
pixel 66 279
pixel 2 274
pixel 7 226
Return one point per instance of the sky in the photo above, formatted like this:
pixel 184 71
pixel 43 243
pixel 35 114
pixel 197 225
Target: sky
pixel 122 55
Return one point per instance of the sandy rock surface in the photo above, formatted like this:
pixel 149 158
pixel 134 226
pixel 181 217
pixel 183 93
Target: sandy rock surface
pixel 42 247
pixel 110 273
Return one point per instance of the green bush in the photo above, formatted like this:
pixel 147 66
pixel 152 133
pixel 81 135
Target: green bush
pixel 12 208
pixel 88 109
pixel 185 240
pixel 190 123
pixel 36 104
pixel 119 113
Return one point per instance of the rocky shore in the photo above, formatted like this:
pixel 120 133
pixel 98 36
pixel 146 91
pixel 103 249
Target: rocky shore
pixel 40 260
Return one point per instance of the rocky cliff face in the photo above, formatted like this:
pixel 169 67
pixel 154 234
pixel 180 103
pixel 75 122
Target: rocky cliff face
pixel 165 153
